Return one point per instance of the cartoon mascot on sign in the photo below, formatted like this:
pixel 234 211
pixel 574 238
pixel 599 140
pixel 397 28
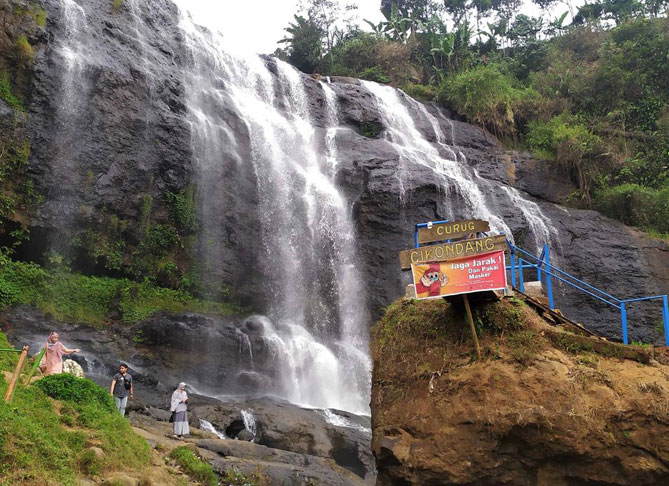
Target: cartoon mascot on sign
pixel 432 281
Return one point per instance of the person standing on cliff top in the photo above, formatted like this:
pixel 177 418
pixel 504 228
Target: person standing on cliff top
pixel 52 361
pixel 121 388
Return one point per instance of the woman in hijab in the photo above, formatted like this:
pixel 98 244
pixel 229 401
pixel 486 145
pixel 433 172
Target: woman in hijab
pixel 179 407
pixel 53 357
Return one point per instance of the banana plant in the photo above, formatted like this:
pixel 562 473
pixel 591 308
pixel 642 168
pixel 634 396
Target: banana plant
pixel 557 26
pixel 445 48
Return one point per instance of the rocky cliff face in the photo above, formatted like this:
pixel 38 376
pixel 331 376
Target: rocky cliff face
pixel 543 407
pixel 112 150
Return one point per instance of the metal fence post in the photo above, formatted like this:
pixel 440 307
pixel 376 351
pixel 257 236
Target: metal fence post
pixel 520 275
pixel 623 315
pixel 513 267
pixel 665 318
pixel 549 279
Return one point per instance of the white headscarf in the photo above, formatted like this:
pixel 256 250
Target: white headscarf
pixel 178 396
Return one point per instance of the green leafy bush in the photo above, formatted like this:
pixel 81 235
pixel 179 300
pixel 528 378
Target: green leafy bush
pixel 183 208
pixel 24 50
pixel 69 388
pixel 636 205
pixel 6 93
pixel 374 74
pixel 92 300
pixel 572 145
pixel 420 91
pixel 488 97
pixel 195 467
pixel 37 447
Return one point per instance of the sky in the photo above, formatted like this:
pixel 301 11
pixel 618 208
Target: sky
pixel 257 25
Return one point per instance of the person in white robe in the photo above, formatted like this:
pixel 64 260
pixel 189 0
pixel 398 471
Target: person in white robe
pixel 179 407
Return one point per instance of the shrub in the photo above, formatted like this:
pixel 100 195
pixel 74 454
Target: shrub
pixel 36 449
pixel 6 93
pixel 24 50
pixel 488 97
pixel 195 467
pixel 77 390
pixel 183 209
pixel 636 205
pixel 572 145
pixel 374 74
pixel 420 91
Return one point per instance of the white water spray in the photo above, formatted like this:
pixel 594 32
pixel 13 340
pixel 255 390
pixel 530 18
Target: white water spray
pixel 317 325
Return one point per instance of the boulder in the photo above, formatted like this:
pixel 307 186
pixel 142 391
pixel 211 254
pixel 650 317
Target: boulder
pixel 73 368
pixel 279 468
pixel 281 425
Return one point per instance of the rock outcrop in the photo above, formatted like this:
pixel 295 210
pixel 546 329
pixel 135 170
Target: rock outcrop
pixel 544 406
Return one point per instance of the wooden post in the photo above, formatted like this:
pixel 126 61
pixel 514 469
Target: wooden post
pixel 17 373
pixel 30 374
pixel 471 324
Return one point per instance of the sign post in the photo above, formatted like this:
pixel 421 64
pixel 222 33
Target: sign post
pixel 457 267
pixel 471 325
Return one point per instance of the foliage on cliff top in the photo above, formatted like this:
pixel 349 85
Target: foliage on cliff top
pixel 42 440
pixel 419 337
pixel 93 300
pixel 592 96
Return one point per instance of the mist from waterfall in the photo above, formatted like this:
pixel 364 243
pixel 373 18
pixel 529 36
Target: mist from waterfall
pixel 317 323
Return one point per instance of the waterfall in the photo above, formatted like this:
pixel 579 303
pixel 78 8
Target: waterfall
pixel 249 421
pixel 317 322
pixel 448 166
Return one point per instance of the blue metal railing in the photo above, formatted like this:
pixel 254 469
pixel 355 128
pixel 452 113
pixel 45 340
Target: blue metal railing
pixel 542 265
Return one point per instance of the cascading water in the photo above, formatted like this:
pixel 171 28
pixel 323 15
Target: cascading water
pixel 447 163
pixel 317 323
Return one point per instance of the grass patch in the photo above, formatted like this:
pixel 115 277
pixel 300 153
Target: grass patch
pixel 38 447
pixel 7 95
pixel 69 388
pixel 92 300
pixel 7 359
pixel 523 346
pixel 195 467
pixel 24 50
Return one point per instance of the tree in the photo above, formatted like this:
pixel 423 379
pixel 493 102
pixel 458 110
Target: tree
pixel 304 45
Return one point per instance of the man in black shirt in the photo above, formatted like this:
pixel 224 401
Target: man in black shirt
pixel 121 388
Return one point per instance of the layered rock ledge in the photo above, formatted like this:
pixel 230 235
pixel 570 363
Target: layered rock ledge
pixel 544 406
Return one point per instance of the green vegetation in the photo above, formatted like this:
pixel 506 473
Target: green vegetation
pixel 590 93
pixel 6 93
pixel 39 445
pixel 92 300
pixel 24 50
pixel 117 4
pixel 200 471
pixel 69 388
pixel 195 467
pixel 183 209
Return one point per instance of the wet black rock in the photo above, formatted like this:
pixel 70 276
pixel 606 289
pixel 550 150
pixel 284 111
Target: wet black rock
pixel 336 435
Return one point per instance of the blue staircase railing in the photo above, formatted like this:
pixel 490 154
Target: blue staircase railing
pixel 521 260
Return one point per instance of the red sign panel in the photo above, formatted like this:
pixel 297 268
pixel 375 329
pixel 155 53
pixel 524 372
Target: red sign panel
pixel 462 276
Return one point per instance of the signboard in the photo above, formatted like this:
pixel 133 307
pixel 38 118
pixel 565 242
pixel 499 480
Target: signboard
pixel 476 273
pixel 450 251
pixel 452 230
